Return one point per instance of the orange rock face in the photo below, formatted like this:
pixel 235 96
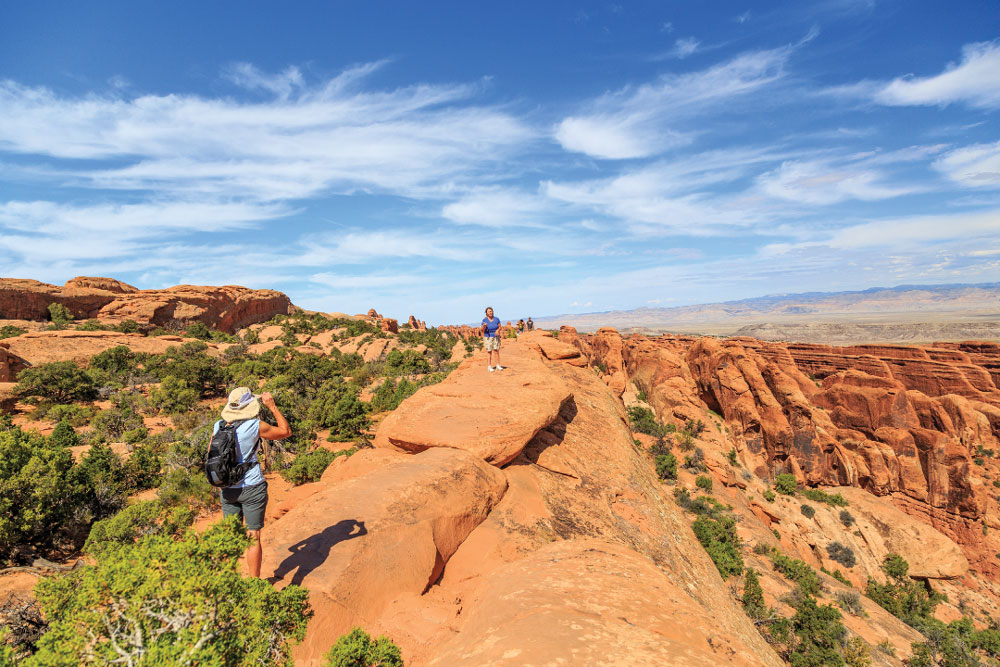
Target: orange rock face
pixel 887 419
pixel 226 308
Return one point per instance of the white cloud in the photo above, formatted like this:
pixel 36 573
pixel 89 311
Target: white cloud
pixel 976 166
pixel 633 123
pixel 974 81
pixel 498 208
pixel 823 183
pixel 903 232
pixel 685 47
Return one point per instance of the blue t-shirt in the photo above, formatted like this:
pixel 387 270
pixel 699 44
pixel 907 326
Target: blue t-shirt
pixel 491 326
pixel 247 435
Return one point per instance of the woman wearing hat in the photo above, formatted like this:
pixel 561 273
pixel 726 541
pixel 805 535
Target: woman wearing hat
pixel 248 497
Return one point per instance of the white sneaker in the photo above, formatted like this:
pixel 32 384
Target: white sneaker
pixel 491 369
pixel 501 368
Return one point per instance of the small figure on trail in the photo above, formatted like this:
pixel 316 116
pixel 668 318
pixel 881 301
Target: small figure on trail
pixel 491 340
pixel 247 497
pixel 520 326
pixel 531 325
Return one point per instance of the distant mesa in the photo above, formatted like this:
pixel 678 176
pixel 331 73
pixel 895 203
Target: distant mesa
pixel 227 308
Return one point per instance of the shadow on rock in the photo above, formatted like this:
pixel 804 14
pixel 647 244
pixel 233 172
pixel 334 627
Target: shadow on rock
pixel 313 551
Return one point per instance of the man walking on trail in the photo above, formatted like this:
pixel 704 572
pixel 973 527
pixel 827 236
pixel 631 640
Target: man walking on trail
pixel 531 325
pixel 491 340
pixel 248 497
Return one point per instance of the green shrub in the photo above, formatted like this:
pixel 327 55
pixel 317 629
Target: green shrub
pixel 666 466
pixel 128 326
pixel 9 331
pixel 358 649
pixel 820 496
pixel 718 537
pixel 769 495
pixel 59 314
pixel 731 456
pixel 63 435
pixel 807 511
pixel 406 362
pixel 189 362
pixel 857 653
pixel 850 602
pixel 148 517
pixel 817 634
pixel 902 597
pixel 114 365
pixel 642 420
pixel 74 415
pixel 60 381
pixel 310 467
pixel 349 417
pixel 703 482
pixel 846 518
pixel 186 488
pixel 798 572
pixel 198 330
pixel 753 596
pixel 143 468
pixel 203 610
pixel 174 395
pixel 785 483
pixel 102 482
pixel 842 554
pixel 114 423
pixel 391 393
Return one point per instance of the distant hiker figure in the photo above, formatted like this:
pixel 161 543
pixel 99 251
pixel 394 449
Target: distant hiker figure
pixel 247 497
pixel 531 325
pixel 491 340
pixel 520 327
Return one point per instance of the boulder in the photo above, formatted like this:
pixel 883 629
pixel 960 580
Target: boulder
pixel 493 415
pixel 389 325
pixel 358 544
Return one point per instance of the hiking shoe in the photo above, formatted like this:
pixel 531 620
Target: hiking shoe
pixel 501 368
pixel 491 369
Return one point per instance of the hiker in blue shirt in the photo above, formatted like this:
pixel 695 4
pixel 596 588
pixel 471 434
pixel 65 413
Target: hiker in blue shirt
pixel 491 340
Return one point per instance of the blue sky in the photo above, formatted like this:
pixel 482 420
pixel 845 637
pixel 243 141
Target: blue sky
pixel 543 158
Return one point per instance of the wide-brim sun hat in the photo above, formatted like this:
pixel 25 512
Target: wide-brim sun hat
pixel 242 404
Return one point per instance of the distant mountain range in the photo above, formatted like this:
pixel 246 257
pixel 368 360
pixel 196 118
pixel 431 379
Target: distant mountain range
pixel 906 313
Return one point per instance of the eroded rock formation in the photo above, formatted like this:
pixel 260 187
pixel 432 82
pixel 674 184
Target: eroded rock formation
pixel 226 308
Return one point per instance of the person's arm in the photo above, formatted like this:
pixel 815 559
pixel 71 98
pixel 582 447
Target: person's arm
pixel 279 432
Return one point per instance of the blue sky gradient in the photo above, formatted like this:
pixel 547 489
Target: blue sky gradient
pixel 543 158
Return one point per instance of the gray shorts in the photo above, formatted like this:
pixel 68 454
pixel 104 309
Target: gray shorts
pixel 248 502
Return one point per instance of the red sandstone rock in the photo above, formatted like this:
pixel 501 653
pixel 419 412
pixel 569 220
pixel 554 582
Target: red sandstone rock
pixel 493 415
pixel 359 543
pixel 389 325
pixel 226 308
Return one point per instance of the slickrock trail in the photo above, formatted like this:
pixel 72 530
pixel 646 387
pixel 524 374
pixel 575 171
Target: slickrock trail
pixel 508 519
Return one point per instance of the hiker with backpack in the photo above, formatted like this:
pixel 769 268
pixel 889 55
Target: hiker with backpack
pixel 232 463
pixel 492 331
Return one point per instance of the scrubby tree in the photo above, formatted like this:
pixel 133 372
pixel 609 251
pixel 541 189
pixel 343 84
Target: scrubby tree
pixel 666 466
pixel 785 483
pixel 60 381
pixel 753 596
pixel 174 395
pixel 176 602
pixel 114 365
pixel 358 649
pixel 60 315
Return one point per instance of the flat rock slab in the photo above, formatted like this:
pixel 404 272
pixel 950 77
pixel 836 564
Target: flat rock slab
pixel 360 543
pixel 587 602
pixel 492 415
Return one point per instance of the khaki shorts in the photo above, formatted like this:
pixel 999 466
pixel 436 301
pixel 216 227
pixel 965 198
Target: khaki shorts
pixel 492 344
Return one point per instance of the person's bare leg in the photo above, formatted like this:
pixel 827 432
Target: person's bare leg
pixel 254 554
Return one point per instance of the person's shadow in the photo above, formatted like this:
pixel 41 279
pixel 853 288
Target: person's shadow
pixel 313 551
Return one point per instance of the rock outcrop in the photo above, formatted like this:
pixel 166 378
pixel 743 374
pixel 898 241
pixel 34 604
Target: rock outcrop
pixel 566 549
pixel 226 308
pixel 892 420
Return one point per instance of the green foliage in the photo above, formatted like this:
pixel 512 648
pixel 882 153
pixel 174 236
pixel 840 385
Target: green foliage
pixel 338 407
pixel 666 466
pixel 846 518
pixel 842 554
pixel 731 456
pixel 198 330
pixel 102 483
pixel 74 415
pixel 310 467
pixel 753 596
pixel 818 633
pixel 148 517
pixel 406 362
pixel 642 420
pixel 769 495
pixel 901 596
pixel 143 468
pixel 63 435
pixel 9 331
pixel 174 395
pixel 35 491
pixel 60 381
pixel 857 653
pixel 808 511
pixel 391 393
pixel 820 496
pixel 718 536
pixel 956 644
pixel 114 365
pixel 165 601
pixel 128 326
pixel 190 363
pixel 850 602
pixel 59 314
pixel 182 487
pixel 122 417
pixel 839 576
pixel 358 649
pixel 797 571
pixel 785 483
pixel 704 482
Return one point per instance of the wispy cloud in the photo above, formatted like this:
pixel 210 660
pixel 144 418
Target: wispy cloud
pixel 976 166
pixel 640 122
